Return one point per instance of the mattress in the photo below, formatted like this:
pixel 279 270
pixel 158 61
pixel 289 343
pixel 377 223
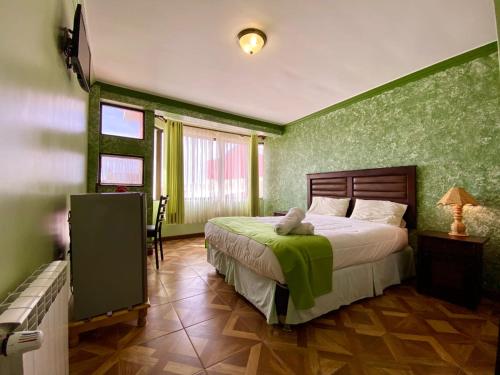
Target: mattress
pixel 353 242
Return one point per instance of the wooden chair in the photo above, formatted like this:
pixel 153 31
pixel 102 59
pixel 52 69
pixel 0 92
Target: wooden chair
pixel 154 231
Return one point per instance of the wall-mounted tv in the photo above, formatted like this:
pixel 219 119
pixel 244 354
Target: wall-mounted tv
pixel 80 51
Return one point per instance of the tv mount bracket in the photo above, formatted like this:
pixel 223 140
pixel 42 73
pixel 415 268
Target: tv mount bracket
pixel 67 39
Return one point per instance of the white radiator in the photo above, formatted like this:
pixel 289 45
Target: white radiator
pixel 39 303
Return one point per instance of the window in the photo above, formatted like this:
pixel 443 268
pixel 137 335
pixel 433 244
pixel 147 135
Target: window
pixel 121 121
pixel 121 170
pixel 215 174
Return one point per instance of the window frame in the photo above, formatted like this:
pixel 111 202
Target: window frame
pixel 101 154
pixel 122 107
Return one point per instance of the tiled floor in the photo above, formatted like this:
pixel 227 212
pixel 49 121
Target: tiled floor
pixel 199 324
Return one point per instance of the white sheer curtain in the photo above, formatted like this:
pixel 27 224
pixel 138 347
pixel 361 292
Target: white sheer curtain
pixel 215 174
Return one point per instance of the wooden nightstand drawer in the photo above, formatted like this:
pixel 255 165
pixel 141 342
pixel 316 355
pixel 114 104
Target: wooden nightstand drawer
pixel 450 247
pixel 450 267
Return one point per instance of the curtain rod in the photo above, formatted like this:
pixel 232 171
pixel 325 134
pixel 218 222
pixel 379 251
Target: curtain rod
pixel 198 127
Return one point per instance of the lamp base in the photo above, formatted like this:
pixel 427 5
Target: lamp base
pixel 457 227
pixel 456 234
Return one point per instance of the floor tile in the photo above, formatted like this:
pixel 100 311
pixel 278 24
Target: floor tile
pixel 156 291
pixel 169 354
pixel 217 339
pixel 217 283
pixel 86 359
pixel 173 275
pixel 204 269
pixel 196 309
pixel 161 320
pixel 186 288
pixel 112 338
pixel 258 359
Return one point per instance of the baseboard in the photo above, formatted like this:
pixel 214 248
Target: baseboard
pixel 183 236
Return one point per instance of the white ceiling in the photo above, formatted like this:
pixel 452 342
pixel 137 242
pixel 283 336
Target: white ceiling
pixel 318 53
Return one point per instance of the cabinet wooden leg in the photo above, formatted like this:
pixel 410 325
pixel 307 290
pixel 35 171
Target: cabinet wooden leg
pixel 141 317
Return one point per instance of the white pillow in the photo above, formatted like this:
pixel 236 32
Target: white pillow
pixel 329 206
pixel 385 212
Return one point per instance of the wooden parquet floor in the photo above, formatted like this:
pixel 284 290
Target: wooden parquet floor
pixel 198 324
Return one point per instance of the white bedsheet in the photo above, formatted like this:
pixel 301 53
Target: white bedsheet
pixel 353 242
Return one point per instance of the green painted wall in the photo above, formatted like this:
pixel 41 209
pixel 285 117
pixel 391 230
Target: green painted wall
pixel 43 143
pixel 497 14
pixel 448 124
pixel 98 143
pixel 106 144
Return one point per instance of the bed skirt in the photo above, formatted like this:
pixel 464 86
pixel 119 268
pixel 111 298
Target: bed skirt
pixel 349 284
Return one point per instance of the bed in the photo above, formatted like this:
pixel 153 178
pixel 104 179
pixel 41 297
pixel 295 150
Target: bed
pixel 367 257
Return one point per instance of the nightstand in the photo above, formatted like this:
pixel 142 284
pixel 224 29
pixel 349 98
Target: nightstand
pixel 280 213
pixel 450 267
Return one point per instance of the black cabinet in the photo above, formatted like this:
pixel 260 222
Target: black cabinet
pixel 108 252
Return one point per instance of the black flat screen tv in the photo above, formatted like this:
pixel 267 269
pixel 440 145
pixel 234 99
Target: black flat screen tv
pixel 80 51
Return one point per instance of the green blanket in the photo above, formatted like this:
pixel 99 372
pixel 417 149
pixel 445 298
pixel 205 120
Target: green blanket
pixel 306 261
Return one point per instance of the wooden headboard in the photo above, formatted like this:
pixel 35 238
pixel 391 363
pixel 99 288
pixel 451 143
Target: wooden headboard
pixel 396 184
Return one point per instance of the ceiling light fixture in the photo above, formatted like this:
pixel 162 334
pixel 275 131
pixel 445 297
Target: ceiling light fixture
pixel 251 40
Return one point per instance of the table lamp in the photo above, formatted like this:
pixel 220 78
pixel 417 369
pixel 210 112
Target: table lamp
pixel 457 197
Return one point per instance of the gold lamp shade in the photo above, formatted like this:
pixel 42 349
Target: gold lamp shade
pixel 457 197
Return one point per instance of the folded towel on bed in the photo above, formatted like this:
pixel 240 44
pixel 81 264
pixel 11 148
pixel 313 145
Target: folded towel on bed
pixel 293 218
pixel 303 228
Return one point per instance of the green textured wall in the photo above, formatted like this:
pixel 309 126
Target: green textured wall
pixel 107 144
pixel 43 142
pixel 117 145
pixel 448 124
pixel 497 14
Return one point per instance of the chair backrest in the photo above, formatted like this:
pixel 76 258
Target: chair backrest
pixel 160 215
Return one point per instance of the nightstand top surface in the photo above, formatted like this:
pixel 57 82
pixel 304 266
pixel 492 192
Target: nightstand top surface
pixel 446 236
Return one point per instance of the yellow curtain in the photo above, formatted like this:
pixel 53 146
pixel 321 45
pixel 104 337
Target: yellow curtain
pixel 173 178
pixel 254 176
